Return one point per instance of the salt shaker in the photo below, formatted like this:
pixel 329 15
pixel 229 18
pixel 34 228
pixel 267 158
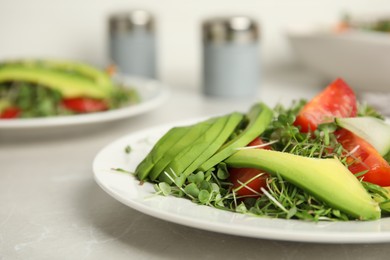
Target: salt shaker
pixel 231 65
pixel 132 43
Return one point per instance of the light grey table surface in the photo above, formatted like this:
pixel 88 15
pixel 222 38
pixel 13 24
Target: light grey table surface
pixel 51 207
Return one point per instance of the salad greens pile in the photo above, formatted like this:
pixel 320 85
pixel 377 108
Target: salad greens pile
pixel 264 164
pixel 41 88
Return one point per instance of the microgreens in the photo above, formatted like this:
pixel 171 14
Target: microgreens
pixel 367 110
pixel 128 149
pixel 121 170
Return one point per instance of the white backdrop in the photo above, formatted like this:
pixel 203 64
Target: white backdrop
pixel 77 28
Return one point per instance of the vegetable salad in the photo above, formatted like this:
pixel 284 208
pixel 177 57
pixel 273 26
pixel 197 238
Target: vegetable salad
pixel 311 161
pixel 42 88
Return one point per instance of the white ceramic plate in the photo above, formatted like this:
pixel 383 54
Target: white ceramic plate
pixel 126 189
pixel 362 57
pixel 152 93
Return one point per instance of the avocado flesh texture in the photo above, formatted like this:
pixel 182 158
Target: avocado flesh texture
pixel 184 142
pixel 326 179
pixel 189 154
pixel 231 124
pixel 259 118
pixel 160 148
pixel 100 78
pixel 68 85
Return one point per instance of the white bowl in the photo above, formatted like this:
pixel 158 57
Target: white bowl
pixel 361 58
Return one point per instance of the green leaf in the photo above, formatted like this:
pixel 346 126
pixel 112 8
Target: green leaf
pixel 336 213
pixel 214 187
pixel 291 213
pixel 128 149
pixel 196 178
pixel 241 208
pixel 204 196
pixel 121 170
pixel 165 188
pixel 180 180
pixel 222 172
pixel 205 185
pixel 219 200
pixel 192 189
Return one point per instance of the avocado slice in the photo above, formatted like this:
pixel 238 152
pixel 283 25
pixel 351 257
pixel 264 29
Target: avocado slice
pixel 189 154
pixel 77 69
pixel 231 124
pixel 326 179
pixel 98 76
pixel 160 148
pixel 260 115
pixel 184 142
pixel 69 85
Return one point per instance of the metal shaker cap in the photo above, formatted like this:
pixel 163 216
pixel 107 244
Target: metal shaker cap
pixel 236 29
pixel 128 21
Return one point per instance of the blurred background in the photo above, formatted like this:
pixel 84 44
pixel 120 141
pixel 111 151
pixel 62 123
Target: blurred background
pixel 78 30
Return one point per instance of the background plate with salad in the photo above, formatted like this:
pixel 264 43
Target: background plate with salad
pixel 36 94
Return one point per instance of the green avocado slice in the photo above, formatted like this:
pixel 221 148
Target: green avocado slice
pixel 185 141
pixel 189 154
pixel 160 148
pixel 231 124
pixel 98 77
pixel 68 84
pixel 326 179
pixel 259 118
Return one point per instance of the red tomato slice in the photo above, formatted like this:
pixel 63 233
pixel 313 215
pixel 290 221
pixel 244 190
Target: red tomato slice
pixel 10 113
pixel 239 176
pixel 84 105
pixel 364 157
pixel 336 100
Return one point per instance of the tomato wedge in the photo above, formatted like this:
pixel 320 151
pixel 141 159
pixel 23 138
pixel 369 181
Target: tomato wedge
pixel 239 176
pixel 336 100
pixel 364 157
pixel 84 105
pixel 10 113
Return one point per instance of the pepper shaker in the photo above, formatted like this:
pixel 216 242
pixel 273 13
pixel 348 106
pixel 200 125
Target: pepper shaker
pixel 231 65
pixel 132 43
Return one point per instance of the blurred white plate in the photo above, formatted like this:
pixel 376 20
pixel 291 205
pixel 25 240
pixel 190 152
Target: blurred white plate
pixel 361 58
pixel 152 94
pixel 126 189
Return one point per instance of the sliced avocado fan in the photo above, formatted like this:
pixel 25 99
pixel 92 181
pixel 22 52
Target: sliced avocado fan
pixel 71 80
